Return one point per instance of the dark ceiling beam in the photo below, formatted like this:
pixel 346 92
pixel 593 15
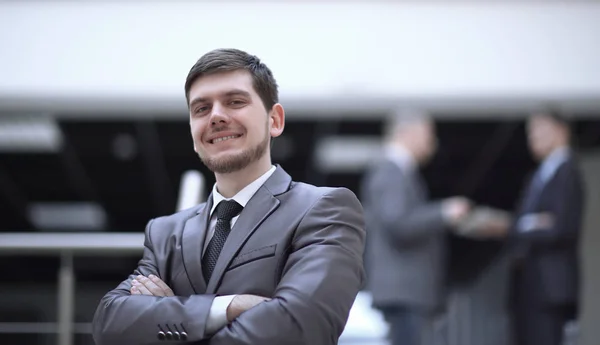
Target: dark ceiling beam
pixel 10 191
pixel 77 176
pixel 488 155
pixel 79 179
pixel 158 181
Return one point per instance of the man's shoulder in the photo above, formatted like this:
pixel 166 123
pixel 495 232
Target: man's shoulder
pixel 569 168
pixel 171 220
pixel 573 163
pixel 310 192
pixel 379 164
pixel 382 168
pixel 324 203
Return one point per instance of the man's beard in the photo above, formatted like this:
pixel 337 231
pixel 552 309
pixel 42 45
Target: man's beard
pixel 236 162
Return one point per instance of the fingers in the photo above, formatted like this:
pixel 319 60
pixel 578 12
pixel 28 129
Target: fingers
pixel 242 303
pixel 141 288
pixel 134 290
pixel 150 286
pixel 253 300
pixel 545 221
pixel 146 282
pixel 162 285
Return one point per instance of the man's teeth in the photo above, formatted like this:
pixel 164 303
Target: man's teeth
pixel 223 139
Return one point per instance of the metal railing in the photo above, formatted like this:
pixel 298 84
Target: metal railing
pixel 66 245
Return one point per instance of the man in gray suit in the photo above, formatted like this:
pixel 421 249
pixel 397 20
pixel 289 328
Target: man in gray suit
pixel 265 260
pixel 406 232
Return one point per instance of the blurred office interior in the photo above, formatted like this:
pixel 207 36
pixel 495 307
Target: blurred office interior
pixel 94 133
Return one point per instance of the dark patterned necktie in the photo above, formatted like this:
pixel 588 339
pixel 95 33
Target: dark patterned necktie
pixel 226 211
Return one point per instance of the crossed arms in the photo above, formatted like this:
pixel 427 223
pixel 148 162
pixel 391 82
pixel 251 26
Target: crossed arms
pixel 320 280
pixel 560 222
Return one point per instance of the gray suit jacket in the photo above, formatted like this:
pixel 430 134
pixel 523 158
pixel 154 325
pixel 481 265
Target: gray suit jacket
pixel 298 244
pixel 405 254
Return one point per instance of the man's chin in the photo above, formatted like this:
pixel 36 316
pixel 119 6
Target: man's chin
pixel 225 164
pixel 219 156
pixel 234 160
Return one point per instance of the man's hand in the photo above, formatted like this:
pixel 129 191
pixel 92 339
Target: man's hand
pixel 456 209
pixel 536 222
pixel 543 221
pixel 495 227
pixel 150 286
pixel 241 303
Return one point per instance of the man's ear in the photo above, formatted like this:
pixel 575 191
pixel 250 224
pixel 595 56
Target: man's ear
pixel 276 121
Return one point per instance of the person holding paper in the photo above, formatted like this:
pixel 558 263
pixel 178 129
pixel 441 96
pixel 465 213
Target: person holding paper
pixel 407 231
pixel 545 236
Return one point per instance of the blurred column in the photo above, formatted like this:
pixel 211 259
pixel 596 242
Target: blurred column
pixel 590 255
pixel 191 189
pixel 66 299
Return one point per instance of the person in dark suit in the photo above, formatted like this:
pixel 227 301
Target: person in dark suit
pixel 545 236
pixel 406 245
pixel 265 260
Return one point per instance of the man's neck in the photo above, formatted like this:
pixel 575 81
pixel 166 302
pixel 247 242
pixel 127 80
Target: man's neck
pixel 403 148
pixel 557 148
pixel 230 184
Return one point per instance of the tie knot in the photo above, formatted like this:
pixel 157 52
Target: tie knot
pixel 227 209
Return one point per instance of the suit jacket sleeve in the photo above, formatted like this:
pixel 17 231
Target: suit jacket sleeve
pixel 122 318
pixel 403 218
pixel 320 280
pixel 566 206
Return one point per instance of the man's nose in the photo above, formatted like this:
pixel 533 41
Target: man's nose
pixel 218 115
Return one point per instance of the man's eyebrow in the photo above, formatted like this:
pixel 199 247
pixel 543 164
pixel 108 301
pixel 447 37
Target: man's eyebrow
pixel 237 92
pixel 196 101
pixel 234 92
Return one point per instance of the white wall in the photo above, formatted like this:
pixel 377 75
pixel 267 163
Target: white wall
pixel 440 50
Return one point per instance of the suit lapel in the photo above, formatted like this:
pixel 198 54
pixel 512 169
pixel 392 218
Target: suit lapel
pixel 259 208
pixel 419 186
pixel 413 180
pixel 256 211
pixel 194 233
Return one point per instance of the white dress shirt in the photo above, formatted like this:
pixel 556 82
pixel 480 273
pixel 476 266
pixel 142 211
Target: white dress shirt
pixel 551 164
pixel 217 316
pixel 401 156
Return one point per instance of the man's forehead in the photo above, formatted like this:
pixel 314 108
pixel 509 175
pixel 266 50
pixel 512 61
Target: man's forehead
pixel 541 120
pixel 216 84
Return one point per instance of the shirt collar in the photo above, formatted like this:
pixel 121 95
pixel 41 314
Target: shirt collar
pixel 398 154
pixel 553 162
pixel 244 195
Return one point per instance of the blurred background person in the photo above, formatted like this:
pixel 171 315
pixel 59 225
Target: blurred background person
pixel 546 234
pixel 406 245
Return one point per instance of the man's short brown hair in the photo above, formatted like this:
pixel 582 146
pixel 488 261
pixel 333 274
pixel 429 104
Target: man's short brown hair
pixel 226 60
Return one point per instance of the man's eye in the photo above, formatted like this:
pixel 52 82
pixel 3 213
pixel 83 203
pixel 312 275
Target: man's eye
pixel 236 102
